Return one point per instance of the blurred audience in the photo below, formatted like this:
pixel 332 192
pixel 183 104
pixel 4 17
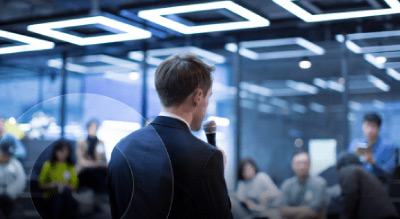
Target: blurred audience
pixel 363 195
pixel 303 195
pixel 59 180
pixel 20 151
pixel 12 178
pixel 256 191
pixel 378 155
pixel 91 160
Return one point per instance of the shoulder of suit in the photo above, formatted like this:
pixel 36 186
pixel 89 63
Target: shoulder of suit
pixel 138 135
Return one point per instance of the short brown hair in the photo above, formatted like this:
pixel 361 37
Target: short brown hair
pixel 179 75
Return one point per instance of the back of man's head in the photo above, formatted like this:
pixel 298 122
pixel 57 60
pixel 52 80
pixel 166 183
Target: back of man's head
pixel 7 147
pixel 178 76
pixel 346 159
pixel 373 118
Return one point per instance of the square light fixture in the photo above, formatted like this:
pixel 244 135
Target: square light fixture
pixel 328 84
pixel 310 49
pixel 109 64
pixel 351 45
pixel 381 60
pixel 393 73
pixel 119 31
pixel 316 107
pixel 162 16
pixel 292 7
pixel 154 54
pixel 358 84
pixel 29 43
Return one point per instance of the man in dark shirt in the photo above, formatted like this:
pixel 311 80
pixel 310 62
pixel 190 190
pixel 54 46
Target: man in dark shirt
pixel 163 170
pixel 363 194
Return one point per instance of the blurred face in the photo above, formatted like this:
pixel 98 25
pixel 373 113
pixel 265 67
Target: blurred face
pixel 301 164
pixel 249 171
pixel 200 111
pixel 370 130
pixel 62 154
pixel 4 158
pixel 92 129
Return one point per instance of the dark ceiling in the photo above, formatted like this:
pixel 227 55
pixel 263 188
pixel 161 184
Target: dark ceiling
pixel 15 15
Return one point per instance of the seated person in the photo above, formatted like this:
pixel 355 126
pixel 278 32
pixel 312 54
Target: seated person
pixel 91 160
pixel 59 180
pixel 255 189
pixel 303 195
pixel 12 178
pixel 363 194
pixel 377 153
pixel 20 151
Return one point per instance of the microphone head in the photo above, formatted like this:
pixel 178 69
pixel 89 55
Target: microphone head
pixel 210 126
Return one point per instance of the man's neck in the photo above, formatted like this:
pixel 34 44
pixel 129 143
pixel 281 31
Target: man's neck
pixel 178 111
pixel 371 142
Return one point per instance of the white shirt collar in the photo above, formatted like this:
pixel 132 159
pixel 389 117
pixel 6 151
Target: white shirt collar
pixel 171 115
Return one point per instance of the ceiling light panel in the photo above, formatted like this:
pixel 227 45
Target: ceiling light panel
pixel 382 60
pixel 302 13
pixel 119 31
pixel 385 47
pixel 310 49
pixel 393 73
pixel 109 63
pixel 28 43
pixel 153 56
pixel 162 16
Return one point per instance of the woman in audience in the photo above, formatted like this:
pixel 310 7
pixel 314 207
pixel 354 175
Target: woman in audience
pixel 255 190
pixel 59 180
pixel 91 158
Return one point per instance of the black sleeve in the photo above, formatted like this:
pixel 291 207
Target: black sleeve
pixel 120 184
pixel 216 186
pixel 348 179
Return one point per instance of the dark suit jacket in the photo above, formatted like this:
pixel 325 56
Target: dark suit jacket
pixel 186 182
pixel 364 196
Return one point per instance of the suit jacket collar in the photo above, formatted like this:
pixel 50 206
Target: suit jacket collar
pixel 170 122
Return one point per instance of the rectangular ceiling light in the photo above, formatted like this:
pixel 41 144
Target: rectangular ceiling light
pixel 306 16
pixel 299 108
pixel 317 107
pixel 381 60
pixel 351 45
pixel 29 43
pixel 328 84
pixel 302 87
pixel 378 83
pixel 253 88
pixel 110 64
pixel 393 73
pixel 355 105
pixel 310 49
pixel 152 55
pixel 119 31
pixel 160 17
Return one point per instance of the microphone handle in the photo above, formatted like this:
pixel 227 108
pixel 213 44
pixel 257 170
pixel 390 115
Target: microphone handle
pixel 211 139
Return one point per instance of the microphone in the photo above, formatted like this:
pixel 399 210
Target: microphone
pixel 210 128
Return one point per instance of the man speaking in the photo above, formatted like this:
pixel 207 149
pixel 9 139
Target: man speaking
pixel 162 170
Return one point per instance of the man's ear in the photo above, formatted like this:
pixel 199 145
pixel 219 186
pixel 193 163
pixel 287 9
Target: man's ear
pixel 196 96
